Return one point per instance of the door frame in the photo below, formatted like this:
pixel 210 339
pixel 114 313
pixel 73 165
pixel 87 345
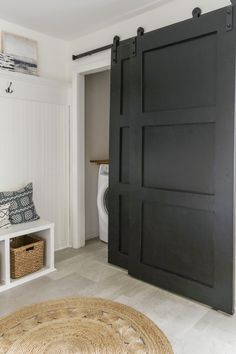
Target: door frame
pixel 88 65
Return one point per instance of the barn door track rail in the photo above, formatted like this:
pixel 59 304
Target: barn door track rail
pixel 196 13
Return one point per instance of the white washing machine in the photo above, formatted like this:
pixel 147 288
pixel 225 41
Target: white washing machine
pixel 102 202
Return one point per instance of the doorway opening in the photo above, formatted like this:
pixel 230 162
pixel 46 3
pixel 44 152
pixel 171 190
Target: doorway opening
pixel 96 125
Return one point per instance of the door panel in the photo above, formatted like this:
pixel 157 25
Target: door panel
pixel 124 94
pixel 190 253
pixel 166 88
pixel 174 154
pixel 124 225
pixel 124 155
pixel 177 141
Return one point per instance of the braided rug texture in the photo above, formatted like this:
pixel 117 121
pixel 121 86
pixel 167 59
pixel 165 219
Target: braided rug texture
pixel 81 326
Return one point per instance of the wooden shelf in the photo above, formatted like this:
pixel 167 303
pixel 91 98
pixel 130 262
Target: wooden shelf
pixel 100 162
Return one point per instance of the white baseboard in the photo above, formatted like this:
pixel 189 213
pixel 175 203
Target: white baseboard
pixel 63 247
pixel 90 236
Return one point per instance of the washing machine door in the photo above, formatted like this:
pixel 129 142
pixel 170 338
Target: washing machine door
pixel 102 202
pixel 105 200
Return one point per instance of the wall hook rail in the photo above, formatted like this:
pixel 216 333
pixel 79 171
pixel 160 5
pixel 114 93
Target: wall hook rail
pixel 9 90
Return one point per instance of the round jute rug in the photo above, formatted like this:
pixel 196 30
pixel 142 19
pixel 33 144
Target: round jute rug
pixel 83 326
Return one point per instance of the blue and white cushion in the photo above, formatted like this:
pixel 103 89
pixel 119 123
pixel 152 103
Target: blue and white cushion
pixel 22 207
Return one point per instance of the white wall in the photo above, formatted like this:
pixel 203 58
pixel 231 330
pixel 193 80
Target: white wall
pixel 169 12
pixel 97 106
pixel 34 145
pixel 52 52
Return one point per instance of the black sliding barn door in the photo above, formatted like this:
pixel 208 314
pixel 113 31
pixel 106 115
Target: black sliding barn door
pixel 172 158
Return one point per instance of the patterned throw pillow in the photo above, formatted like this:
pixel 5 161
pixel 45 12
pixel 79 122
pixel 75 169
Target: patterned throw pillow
pixel 22 207
pixel 4 216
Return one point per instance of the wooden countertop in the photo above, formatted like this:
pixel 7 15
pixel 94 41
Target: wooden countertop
pixel 100 162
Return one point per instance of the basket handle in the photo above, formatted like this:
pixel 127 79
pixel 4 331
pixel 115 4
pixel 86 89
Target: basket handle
pixel 29 248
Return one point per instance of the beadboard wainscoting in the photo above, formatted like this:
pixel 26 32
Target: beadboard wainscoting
pixel 34 145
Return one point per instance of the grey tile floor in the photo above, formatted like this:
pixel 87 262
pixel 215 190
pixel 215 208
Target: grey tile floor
pixel 191 327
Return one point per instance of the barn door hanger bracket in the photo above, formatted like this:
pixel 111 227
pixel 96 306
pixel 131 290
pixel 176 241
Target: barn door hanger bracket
pixel 133 47
pixel 140 33
pixel 196 12
pixel 116 41
pixel 229 16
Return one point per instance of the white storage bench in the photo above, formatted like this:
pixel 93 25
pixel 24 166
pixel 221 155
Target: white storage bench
pixel 43 229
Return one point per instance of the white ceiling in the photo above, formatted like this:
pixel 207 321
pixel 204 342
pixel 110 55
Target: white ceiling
pixel 69 19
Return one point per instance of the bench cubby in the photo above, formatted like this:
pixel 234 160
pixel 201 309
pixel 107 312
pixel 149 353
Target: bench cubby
pixel 41 228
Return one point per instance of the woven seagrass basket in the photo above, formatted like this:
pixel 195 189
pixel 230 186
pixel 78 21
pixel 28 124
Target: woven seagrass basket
pixel 26 254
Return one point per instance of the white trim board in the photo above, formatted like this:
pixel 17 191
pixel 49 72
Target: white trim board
pixel 88 65
pixel 91 236
pixel 34 88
